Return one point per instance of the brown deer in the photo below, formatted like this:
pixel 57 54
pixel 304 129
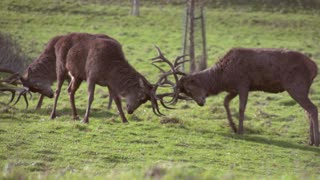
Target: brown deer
pixel 41 73
pixel 242 70
pixel 101 61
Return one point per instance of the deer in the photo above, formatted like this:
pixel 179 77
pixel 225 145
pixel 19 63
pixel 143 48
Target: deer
pixel 242 70
pixel 101 61
pixel 41 73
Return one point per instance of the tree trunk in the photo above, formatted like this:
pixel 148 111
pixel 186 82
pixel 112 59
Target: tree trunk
pixel 191 36
pixel 185 35
pixel 135 8
pixel 203 60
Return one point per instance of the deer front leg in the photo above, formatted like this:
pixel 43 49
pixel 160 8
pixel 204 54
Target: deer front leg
pixel 227 101
pixel 243 98
pixel 110 100
pixel 56 97
pixel 91 87
pixel 117 100
pixel 40 102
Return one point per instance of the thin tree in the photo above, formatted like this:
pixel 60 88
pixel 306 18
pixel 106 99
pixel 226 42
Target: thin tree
pixel 191 35
pixel 135 7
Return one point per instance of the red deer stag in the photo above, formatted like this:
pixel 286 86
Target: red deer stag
pixel 101 61
pixel 242 70
pixel 41 73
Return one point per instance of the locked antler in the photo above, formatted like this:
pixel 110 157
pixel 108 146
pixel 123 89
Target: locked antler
pixel 13 79
pixel 163 80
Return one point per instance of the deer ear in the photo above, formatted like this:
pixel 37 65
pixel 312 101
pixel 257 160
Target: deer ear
pixel 141 83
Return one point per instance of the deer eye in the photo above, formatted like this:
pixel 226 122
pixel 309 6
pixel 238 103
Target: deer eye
pixel 187 90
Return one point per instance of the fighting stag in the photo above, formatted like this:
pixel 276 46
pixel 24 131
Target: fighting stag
pixel 101 61
pixel 245 69
pixel 41 73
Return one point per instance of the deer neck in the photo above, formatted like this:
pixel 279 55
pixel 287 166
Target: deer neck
pixel 210 79
pixel 43 69
pixel 126 81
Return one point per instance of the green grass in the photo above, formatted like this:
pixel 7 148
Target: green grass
pixel 191 142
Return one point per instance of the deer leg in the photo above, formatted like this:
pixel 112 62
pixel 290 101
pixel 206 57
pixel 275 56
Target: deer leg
pixel 243 98
pixel 91 87
pixel 57 93
pixel 311 127
pixel 40 102
pixel 227 100
pixel 73 87
pixel 302 98
pixel 110 102
pixel 12 91
pixel 117 100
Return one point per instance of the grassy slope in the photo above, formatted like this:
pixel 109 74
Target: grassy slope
pixel 189 142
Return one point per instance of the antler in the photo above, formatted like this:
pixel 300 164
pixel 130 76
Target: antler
pixel 13 80
pixel 163 80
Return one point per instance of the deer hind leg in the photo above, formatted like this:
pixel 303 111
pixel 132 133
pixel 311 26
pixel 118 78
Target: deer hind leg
pixel 91 87
pixel 40 102
pixel 243 98
pixel 301 96
pixel 73 87
pixel 227 101
pixel 117 100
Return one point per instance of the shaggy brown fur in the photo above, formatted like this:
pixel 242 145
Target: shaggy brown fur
pixel 100 61
pixel 271 70
pixel 41 73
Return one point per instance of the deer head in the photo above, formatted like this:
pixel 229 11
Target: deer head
pixel 32 81
pixel 192 87
pixel 138 95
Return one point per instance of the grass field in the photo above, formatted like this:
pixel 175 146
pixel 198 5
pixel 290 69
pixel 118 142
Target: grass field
pixel 190 142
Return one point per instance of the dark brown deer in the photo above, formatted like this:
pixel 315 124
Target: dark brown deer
pixel 242 70
pixel 101 61
pixel 41 73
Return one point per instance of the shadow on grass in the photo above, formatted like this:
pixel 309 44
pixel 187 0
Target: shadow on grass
pixel 95 112
pixel 279 143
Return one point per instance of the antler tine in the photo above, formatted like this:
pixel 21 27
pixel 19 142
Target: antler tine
pixel 155 106
pixel 158 67
pixel 161 96
pixel 176 61
pixel 164 79
pixel 180 63
pixel 161 58
pixel 13 94
pixel 11 79
pixel 24 94
pixel 12 91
